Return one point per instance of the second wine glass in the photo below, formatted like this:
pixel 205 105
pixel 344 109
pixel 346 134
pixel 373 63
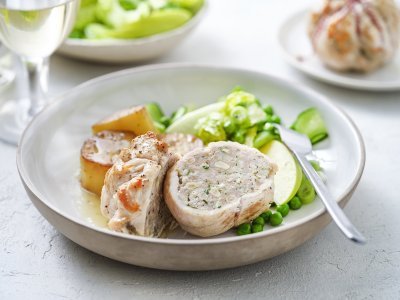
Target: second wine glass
pixel 33 29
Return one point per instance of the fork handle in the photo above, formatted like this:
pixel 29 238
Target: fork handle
pixel 331 205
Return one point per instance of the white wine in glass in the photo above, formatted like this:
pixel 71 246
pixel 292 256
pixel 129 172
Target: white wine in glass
pixel 33 29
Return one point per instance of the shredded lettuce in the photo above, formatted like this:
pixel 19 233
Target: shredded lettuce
pixel 211 128
pixel 243 119
pixel 240 113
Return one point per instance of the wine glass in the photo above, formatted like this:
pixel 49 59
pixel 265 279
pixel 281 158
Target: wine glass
pixel 33 29
pixel 6 75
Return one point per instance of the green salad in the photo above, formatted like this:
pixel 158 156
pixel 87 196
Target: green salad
pixel 130 19
pixel 241 117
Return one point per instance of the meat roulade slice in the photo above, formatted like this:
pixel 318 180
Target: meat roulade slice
pixel 212 189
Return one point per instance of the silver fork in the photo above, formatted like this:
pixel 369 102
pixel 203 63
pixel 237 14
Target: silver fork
pixel 300 146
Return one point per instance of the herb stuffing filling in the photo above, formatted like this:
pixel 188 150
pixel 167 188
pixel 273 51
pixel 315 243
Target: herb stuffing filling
pixel 220 175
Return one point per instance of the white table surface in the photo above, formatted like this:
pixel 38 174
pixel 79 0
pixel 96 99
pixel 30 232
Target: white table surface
pixel 36 262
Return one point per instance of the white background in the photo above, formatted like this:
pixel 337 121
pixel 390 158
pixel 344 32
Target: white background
pixel 36 262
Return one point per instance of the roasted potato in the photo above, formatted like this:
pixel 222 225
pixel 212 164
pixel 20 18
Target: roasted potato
pixel 97 156
pixel 135 119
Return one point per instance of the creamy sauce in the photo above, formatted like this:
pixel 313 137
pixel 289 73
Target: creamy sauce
pixel 105 147
pixel 89 207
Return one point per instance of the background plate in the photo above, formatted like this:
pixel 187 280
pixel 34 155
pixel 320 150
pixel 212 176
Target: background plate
pixel 298 52
pixel 48 162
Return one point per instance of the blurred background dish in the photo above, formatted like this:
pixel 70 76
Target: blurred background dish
pixel 298 52
pixel 355 36
pixel 133 42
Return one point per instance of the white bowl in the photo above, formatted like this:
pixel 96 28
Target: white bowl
pixel 117 51
pixel 48 162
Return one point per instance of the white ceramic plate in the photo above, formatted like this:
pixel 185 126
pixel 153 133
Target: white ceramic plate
pixel 48 162
pixel 298 52
pixel 130 50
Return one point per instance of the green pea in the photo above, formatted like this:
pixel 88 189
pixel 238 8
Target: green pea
pixel 276 119
pixel 229 127
pixel 276 219
pixel 295 203
pixel 266 215
pixel 306 191
pixel 259 220
pixel 243 229
pixel 260 126
pixel 283 209
pixel 239 137
pixel 257 228
pixel 269 127
pixel 263 138
pixel 268 109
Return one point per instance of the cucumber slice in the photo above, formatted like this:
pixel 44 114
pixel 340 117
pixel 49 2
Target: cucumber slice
pixel 192 5
pixel 86 15
pixel 155 111
pixel 310 123
pixel 159 21
pixel 289 176
pixel 186 123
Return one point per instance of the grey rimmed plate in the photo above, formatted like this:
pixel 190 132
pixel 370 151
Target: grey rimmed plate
pixel 298 52
pixel 48 162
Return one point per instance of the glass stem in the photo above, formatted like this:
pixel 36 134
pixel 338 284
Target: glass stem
pixel 38 75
